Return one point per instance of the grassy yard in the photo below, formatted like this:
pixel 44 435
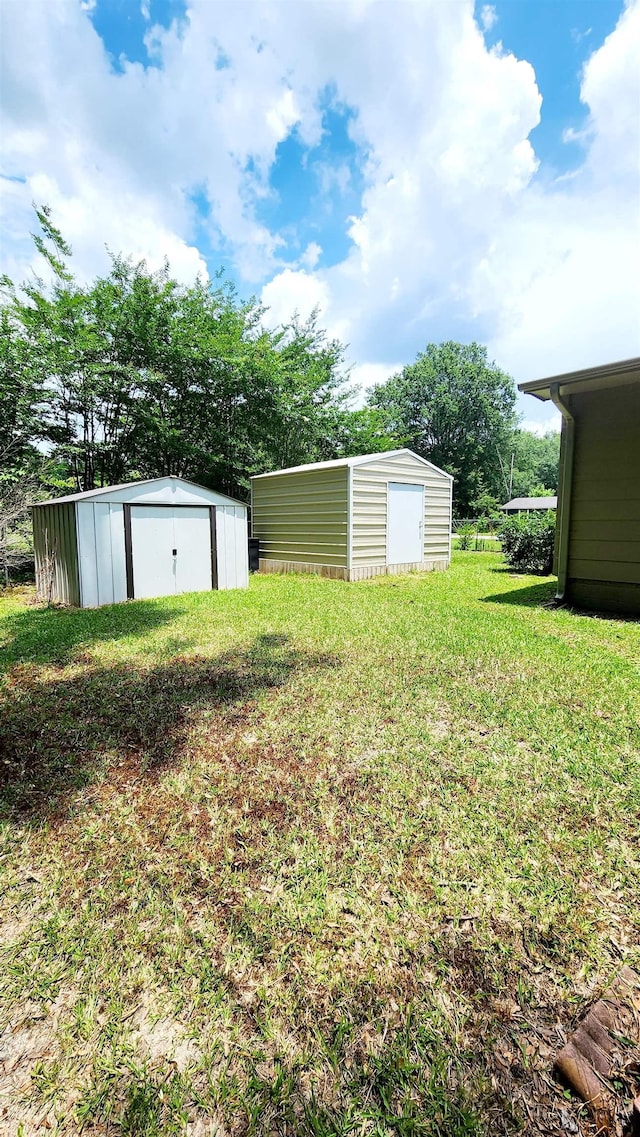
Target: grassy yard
pixel 319 858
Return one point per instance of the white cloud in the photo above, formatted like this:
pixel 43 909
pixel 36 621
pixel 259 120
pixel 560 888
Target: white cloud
pixel 554 422
pixel 454 237
pixel 294 290
pixel 311 255
pixel 367 375
pixel 488 16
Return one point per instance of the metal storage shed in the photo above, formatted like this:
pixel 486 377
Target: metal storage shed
pixel 151 538
pixel 354 518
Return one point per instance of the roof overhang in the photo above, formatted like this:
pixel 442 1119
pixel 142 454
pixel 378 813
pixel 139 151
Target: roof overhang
pixel 590 379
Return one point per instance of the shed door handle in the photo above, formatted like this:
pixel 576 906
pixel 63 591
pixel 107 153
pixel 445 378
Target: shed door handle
pixel 174 552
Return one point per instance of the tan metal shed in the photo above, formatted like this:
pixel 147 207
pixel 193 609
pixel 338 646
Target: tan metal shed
pixel 597 555
pixel 354 518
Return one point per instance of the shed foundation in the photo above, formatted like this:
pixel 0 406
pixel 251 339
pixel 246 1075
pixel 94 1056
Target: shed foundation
pixel 361 572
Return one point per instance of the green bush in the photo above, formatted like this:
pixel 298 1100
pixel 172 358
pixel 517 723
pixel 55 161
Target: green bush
pixel 528 540
pixel 465 533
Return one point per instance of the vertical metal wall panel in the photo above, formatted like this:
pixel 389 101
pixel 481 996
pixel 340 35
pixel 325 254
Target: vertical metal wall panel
pixel 54 538
pixel 241 546
pixel 118 564
pixel 233 555
pixel 221 542
pixel 104 572
pixel 87 551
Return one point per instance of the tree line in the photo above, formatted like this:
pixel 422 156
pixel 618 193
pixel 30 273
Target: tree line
pixel 134 375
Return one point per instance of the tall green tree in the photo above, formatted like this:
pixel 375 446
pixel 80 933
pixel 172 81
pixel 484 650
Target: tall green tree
pixel 455 408
pixel 139 376
pixel 535 462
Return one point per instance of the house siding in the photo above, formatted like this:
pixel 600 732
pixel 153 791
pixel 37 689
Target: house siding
pixel 369 519
pixel 301 519
pixel 604 525
pixel 56 553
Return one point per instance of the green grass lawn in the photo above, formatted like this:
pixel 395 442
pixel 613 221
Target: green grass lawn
pixel 316 858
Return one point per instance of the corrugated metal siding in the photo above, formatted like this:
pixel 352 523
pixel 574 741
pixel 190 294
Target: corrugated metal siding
pixel 103 576
pixel 369 522
pixel 302 518
pixel 55 541
pixel 232 546
pixel 604 534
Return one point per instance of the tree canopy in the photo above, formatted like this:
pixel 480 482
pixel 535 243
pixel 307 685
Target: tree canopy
pixel 457 410
pixel 135 375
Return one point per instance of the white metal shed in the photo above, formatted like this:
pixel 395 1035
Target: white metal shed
pixel 152 538
pixel 354 518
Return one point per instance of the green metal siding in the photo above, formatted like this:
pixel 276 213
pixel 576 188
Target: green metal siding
pixel 55 539
pixel 604 532
pixel 302 517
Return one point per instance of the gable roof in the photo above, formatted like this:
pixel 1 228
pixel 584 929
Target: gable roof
pixel 589 379
pixel 358 460
pixel 531 503
pixel 86 495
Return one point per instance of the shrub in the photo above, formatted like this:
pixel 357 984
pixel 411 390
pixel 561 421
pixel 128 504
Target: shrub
pixel 528 540
pixel 465 532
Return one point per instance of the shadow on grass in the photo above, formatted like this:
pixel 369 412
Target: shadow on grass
pixel 52 635
pixel 543 596
pixel 533 596
pixel 58 734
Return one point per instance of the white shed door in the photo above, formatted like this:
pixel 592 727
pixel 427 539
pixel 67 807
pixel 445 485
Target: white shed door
pixel 192 539
pixel 170 550
pixel 405 519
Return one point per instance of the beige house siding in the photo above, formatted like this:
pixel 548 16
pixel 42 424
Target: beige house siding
pixel 302 519
pixel 369 515
pixel 604 524
pixel 56 552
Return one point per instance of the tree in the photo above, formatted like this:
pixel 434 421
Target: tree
pixel 535 463
pixel 365 431
pixel 457 410
pixel 23 401
pixel 135 375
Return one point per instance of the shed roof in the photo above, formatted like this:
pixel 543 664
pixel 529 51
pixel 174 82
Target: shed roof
pixel 85 495
pixel 531 503
pixel 589 379
pixel 358 460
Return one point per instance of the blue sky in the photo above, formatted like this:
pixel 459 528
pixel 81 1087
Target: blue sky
pixel 419 171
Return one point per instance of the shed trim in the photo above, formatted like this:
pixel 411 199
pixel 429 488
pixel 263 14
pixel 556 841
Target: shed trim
pixel 360 460
pixel 86 495
pixel 128 549
pixel 214 548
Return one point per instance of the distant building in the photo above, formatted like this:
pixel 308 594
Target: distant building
pixel 530 504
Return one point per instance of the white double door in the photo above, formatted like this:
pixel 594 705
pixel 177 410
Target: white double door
pixel 405 524
pixel 170 550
